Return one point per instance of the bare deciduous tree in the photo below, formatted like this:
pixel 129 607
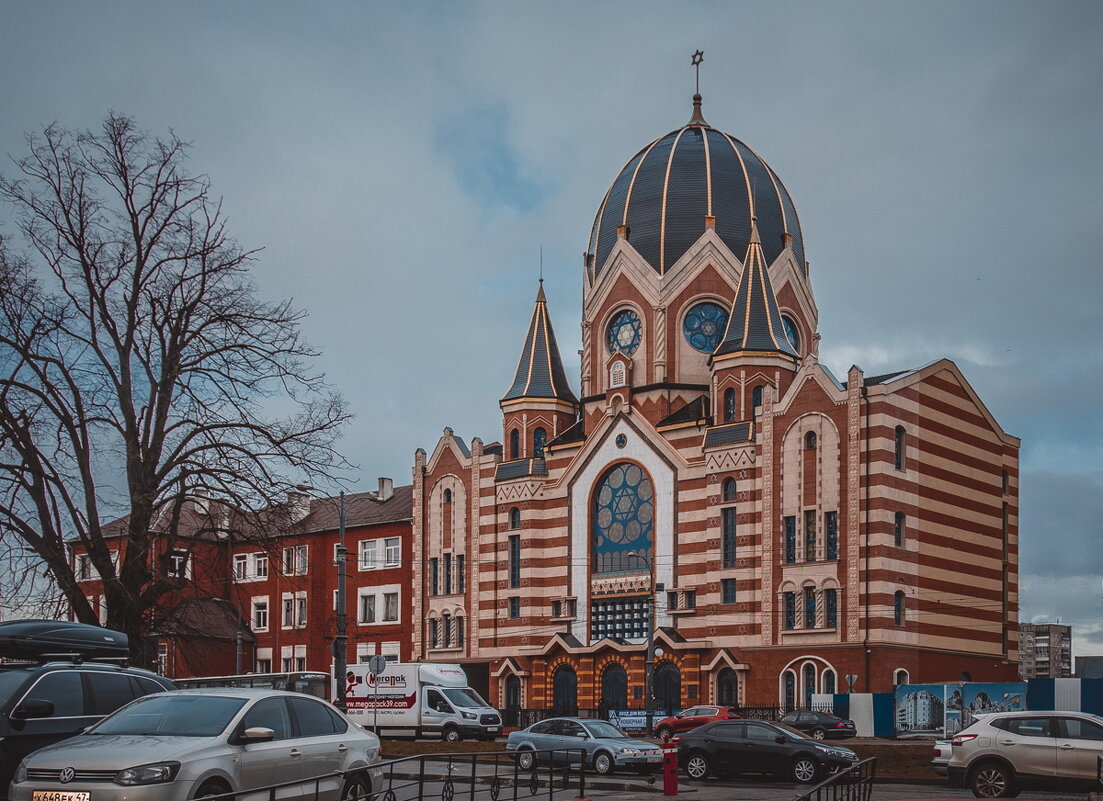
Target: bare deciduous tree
pixel 138 365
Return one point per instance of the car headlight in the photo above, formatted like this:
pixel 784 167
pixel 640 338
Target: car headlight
pixel 21 772
pixel 469 715
pixel 154 773
pixel 628 752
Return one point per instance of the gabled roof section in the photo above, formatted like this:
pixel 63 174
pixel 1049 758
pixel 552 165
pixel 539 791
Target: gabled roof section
pixel 729 434
pixel 755 322
pixel 520 468
pixel 576 433
pixel 696 412
pixel 540 370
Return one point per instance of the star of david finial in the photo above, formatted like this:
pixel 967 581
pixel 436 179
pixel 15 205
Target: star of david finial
pixel 698 57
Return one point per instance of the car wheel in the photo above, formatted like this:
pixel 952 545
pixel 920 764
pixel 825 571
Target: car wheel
pixel 697 766
pixel 993 780
pixel 526 759
pixel 603 763
pixel 804 770
pixel 665 733
pixel 452 734
pixel 212 788
pixel 818 734
pixel 356 789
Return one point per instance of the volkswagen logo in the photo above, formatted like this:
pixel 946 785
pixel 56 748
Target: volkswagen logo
pixel 66 775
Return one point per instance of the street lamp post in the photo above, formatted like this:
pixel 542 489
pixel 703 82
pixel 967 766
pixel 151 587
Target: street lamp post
pixel 340 642
pixel 649 664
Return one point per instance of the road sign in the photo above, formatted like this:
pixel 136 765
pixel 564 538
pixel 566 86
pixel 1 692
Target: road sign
pixel 377 664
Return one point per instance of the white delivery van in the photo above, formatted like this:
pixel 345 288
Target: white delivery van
pixel 419 699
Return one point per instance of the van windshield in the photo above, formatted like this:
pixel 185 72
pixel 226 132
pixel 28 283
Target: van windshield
pixel 464 697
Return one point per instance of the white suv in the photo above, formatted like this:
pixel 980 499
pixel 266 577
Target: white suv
pixel 1004 750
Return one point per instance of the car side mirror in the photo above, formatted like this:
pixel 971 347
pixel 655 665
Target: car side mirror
pixel 258 734
pixel 781 739
pixel 33 708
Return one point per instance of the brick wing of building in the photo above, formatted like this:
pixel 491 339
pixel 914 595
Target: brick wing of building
pixel 782 528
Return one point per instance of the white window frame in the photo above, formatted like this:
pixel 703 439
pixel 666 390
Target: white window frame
pixel 380 593
pixel 254 601
pixel 368 554
pixel 362 595
pixel 177 558
pixel 392 547
pixel 260 565
pixel 82 567
pixel 241 567
pixel 296 559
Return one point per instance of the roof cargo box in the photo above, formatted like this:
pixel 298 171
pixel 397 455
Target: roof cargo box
pixel 34 639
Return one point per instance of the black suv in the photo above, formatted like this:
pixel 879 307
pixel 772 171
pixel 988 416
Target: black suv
pixel 55 697
pixel 755 746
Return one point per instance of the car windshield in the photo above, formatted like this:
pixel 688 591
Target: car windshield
pixel 465 697
pixel 173 716
pixel 599 728
pixel 10 681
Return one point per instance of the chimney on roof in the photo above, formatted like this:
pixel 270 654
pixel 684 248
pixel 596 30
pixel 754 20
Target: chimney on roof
pixel 298 503
pixel 201 500
pixel 386 489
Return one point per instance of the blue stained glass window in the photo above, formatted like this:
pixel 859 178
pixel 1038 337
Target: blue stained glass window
pixel 727 591
pixel 727 537
pixel 831 523
pixel 790 610
pixel 729 406
pixel 809 685
pixel 623 519
pixel 829 682
pixel 809 608
pixel 728 490
pixel 791 332
pixel 790 540
pixel 704 326
pixel 624 332
pixel 831 614
pixel 539 439
pixel 790 689
pixel 810 535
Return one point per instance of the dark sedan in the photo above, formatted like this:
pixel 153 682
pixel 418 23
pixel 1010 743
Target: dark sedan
pixel 755 746
pixel 820 725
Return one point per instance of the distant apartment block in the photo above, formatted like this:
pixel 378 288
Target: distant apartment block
pixel 1046 650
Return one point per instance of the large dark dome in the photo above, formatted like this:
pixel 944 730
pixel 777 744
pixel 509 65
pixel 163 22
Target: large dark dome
pixel 672 184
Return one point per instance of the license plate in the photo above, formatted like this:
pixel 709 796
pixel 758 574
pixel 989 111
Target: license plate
pixel 492 730
pixel 56 795
pixel 649 759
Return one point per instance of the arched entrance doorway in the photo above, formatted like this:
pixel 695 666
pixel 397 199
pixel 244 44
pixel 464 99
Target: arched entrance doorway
pixel 565 691
pixel 614 689
pixel 512 713
pixel 668 687
pixel 727 687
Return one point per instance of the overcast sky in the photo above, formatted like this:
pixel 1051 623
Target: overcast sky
pixel 403 164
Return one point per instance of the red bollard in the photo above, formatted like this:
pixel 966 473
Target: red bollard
pixel 670 769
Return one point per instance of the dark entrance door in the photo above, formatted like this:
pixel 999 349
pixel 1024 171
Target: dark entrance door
pixel 512 713
pixel 565 691
pixel 668 687
pixel 727 688
pixel 614 688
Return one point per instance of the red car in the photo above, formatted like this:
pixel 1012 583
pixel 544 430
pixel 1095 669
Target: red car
pixel 691 718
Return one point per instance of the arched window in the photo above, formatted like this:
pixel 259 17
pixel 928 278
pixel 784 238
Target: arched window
pixel 614 687
pixel 623 518
pixel 898 608
pixel 448 496
pixel 756 396
pixel 901 677
pixel 810 607
pixel 539 438
pixel 901 443
pixel 668 687
pixel 727 492
pixel 899 530
pixel 829 682
pixel 565 691
pixel 810 441
pixel 789 690
pixel 515 444
pixel 514 518
pixel 809 684
pixel 727 687
pixel 729 405
pixel 511 715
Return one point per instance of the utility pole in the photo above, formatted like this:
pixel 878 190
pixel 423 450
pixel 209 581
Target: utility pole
pixel 340 642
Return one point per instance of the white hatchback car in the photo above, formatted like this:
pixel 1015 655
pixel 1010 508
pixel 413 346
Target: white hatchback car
pixel 1003 751
pixel 181 745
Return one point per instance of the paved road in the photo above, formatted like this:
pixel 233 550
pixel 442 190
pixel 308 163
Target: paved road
pixel 783 791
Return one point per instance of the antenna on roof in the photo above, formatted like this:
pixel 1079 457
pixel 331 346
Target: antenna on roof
pixel 541 264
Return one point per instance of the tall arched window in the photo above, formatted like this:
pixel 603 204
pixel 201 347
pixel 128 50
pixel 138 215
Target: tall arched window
pixel 809 684
pixel 623 519
pixel 829 682
pixel 900 676
pixel 614 687
pixel 899 530
pixel 539 438
pixel 565 691
pixel 668 687
pixel 898 608
pixel 515 444
pixel 448 496
pixel 900 444
pixel 514 518
pixel 727 492
pixel 511 715
pixel 756 396
pixel 729 405
pixel 789 690
pixel 727 687
pixel 810 441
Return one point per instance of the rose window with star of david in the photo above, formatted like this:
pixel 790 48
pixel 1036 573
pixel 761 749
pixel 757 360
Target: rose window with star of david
pixel 704 326
pixel 624 333
pixel 623 519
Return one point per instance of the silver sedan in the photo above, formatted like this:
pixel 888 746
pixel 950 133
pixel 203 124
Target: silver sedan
pixel 181 745
pixel 566 740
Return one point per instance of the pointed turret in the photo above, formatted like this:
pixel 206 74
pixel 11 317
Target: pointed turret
pixel 540 369
pixel 755 325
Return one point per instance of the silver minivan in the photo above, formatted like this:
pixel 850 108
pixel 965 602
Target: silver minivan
pixel 182 745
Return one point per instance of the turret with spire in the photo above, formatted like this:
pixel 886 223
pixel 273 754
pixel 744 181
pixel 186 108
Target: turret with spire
pixel 540 404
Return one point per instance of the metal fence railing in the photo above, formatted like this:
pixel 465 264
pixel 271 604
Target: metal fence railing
pixel 523 718
pixel 853 784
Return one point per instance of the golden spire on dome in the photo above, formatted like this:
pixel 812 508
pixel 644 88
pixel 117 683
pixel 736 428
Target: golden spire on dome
pixel 697 118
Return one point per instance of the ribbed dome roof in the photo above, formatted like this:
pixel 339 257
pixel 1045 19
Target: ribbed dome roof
pixel 665 191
